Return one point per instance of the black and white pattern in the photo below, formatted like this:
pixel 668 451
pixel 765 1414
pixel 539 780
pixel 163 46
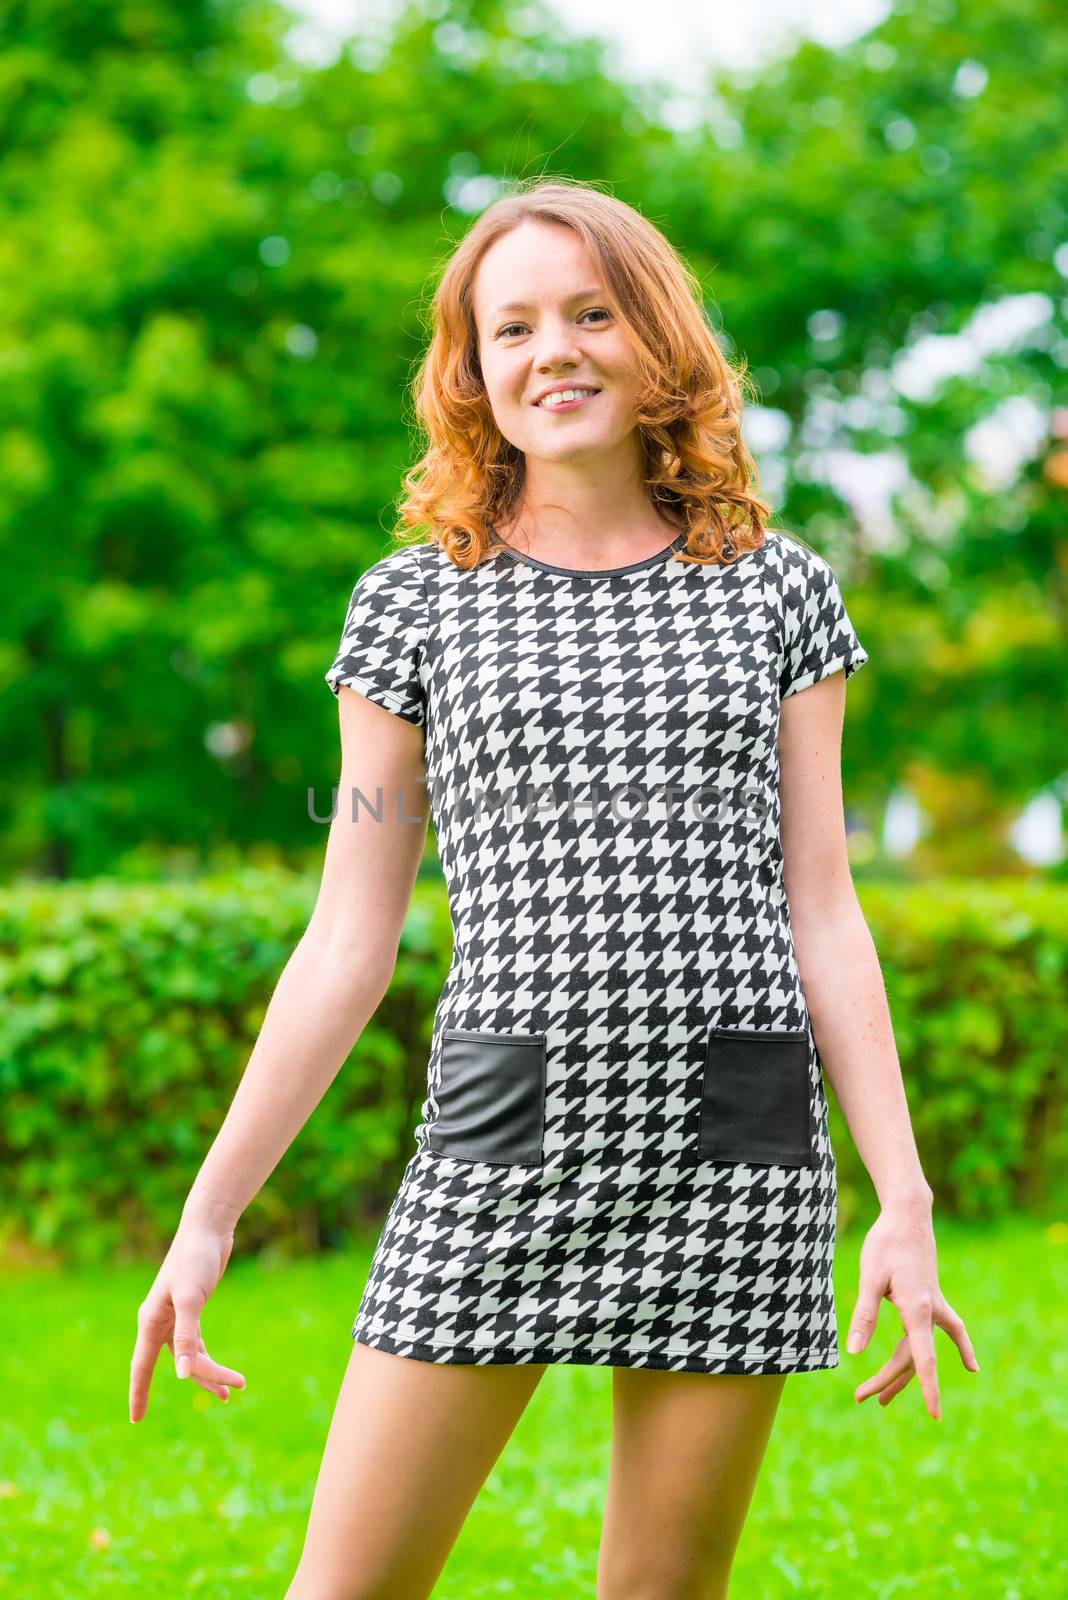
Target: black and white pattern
pixel 623 1156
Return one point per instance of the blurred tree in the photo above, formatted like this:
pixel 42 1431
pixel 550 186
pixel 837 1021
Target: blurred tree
pixel 211 273
pixel 212 270
pixel 889 230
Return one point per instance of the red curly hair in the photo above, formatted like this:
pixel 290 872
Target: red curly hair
pixel 697 468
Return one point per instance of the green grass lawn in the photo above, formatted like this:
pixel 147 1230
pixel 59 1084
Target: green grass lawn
pixel 853 1501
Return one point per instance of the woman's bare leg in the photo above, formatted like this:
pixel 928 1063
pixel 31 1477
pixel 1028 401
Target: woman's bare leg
pixel 409 1446
pixel 686 1452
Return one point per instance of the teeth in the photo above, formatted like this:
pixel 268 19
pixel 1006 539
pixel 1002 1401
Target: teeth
pixel 559 396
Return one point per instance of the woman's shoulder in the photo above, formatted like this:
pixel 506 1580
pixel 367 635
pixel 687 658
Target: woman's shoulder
pixel 401 573
pixel 418 558
pixel 798 577
pixel 402 560
pixel 788 555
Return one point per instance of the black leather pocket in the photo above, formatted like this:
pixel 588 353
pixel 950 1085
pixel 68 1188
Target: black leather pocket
pixel 755 1105
pixel 491 1097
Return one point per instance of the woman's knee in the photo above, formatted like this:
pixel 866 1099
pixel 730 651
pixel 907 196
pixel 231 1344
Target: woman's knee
pixel 645 1581
pixel 311 1584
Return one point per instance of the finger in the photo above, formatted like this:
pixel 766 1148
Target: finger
pixel 896 1387
pixel 862 1323
pixel 900 1364
pixel 205 1383
pixel 211 1372
pixel 218 1389
pixel 918 1317
pixel 187 1359
pixel 217 1373
pixel 142 1365
pixel 947 1318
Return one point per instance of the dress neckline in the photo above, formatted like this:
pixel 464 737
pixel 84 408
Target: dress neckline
pixel 592 572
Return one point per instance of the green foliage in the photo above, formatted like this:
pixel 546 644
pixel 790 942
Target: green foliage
pixel 210 315
pixel 213 269
pixel 874 198
pixel 130 1013
pixel 975 976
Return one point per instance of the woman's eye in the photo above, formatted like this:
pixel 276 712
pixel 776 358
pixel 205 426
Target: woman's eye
pixel 598 311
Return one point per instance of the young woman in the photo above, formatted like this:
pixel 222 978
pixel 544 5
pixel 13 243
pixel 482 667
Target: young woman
pixel 621 695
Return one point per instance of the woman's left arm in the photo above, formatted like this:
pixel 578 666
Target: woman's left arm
pixel 847 1002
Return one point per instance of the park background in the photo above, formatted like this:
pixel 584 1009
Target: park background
pixel 220 227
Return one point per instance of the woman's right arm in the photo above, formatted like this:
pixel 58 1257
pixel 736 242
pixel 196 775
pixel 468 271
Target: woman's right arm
pixel 329 989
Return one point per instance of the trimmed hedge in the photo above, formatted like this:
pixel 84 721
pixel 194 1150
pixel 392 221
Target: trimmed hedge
pixel 130 1011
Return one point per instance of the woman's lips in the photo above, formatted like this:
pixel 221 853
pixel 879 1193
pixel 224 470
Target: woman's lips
pixel 569 405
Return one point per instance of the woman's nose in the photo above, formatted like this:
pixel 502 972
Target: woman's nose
pixel 556 346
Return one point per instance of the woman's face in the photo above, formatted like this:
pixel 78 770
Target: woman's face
pixel 543 322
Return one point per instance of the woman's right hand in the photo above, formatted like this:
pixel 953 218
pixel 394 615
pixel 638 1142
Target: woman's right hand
pixel 170 1315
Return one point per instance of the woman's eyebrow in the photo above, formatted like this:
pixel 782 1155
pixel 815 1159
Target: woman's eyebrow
pixel 520 305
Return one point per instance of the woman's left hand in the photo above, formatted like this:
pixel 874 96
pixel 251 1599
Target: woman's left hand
pixel 897 1261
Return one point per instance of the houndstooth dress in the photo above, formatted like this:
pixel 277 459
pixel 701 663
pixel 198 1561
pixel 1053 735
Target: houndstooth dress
pixel 622 1157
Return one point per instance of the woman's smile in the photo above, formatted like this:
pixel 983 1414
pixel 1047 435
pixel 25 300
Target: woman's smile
pixel 567 399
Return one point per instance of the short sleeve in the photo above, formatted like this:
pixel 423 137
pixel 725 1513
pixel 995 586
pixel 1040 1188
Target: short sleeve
pixel 818 636
pixel 382 644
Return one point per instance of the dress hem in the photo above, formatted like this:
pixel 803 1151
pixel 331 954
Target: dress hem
pixel 814 1360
